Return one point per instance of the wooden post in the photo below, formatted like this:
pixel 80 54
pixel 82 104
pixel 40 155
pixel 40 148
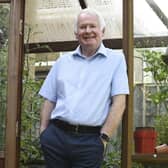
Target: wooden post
pixel 14 90
pixel 127 124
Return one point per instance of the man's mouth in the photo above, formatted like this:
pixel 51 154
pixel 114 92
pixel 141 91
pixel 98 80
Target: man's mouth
pixel 89 37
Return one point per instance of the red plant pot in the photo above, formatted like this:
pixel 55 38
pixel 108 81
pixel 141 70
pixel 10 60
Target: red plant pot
pixel 145 140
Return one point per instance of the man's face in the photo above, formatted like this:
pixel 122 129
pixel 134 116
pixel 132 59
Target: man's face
pixel 88 32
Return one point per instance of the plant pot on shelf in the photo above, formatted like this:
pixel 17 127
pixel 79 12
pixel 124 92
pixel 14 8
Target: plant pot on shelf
pixel 145 140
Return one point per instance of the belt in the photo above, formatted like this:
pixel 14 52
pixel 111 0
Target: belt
pixel 75 128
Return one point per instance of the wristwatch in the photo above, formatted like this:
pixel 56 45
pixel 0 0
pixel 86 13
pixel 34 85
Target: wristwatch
pixel 104 137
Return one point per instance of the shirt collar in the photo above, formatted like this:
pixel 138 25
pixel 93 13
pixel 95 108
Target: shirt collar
pixel 101 51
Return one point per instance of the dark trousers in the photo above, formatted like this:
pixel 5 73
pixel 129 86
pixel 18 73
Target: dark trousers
pixel 71 150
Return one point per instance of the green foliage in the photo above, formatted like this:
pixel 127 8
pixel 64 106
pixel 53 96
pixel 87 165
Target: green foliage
pixel 159 70
pixel 4 19
pixel 4 23
pixel 3 88
pixel 113 158
pixel 31 106
pixel 161 125
pixel 30 118
pixel 31 103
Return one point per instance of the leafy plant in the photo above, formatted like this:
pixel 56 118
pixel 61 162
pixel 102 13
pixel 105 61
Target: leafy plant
pixel 30 146
pixel 161 125
pixel 113 157
pixel 159 70
pixel 3 86
pixel 4 25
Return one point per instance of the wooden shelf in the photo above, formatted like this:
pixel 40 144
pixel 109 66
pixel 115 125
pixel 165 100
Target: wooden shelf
pixel 150 158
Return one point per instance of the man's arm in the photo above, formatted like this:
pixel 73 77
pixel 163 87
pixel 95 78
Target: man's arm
pixel 115 115
pixel 46 110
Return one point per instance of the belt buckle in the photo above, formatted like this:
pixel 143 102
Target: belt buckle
pixel 76 128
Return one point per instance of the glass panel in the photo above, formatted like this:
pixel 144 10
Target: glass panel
pixel 163 6
pixel 52 20
pixel 146 22
pixel 4 25
pixel 112 12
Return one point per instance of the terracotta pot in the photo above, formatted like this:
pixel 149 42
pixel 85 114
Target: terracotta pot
pixel 145 140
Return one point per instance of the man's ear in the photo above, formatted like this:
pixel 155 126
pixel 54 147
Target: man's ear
pixel 103 31
pixel 76 35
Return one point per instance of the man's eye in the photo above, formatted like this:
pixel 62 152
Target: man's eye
pixel 83 27
pixel 92 26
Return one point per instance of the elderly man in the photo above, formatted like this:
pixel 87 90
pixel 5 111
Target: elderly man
pixel 84 98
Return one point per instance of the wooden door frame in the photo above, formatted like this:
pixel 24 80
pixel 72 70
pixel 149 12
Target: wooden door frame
pixel 127 124
pixel 14 91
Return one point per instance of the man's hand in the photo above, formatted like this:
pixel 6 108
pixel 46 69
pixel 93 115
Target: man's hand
pixel 42 129
pixel 104 143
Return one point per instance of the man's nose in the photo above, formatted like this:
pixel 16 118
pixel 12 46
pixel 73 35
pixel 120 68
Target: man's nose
pixel 88 29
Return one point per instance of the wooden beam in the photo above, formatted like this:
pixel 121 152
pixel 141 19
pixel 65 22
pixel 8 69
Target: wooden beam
pixel 14 90
pixel 5 1
pixel 149 42
pixel 158 12
pixel 83 4
pixel 139 42
pixel 127 124
pixel 148 159
pixel 65 46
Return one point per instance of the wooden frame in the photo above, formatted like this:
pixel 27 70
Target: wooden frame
pixel 15 82
pixel 127 124
pixel 14 91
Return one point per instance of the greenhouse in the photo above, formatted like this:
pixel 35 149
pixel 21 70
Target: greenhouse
pixel 35 33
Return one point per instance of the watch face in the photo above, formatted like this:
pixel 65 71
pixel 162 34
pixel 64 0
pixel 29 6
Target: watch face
pixel 105 137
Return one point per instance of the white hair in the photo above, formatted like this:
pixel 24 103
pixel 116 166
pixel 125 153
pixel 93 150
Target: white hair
pixel 91 12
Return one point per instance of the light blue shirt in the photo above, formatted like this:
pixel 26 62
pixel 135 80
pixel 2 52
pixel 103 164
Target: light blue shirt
pixel 83 87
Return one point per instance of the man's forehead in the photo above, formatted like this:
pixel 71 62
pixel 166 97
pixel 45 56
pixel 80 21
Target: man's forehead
pixel 88 18
pixel 88 15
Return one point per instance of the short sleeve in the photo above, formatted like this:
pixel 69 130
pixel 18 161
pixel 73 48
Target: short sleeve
pixel 49 87
pixel 120 78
